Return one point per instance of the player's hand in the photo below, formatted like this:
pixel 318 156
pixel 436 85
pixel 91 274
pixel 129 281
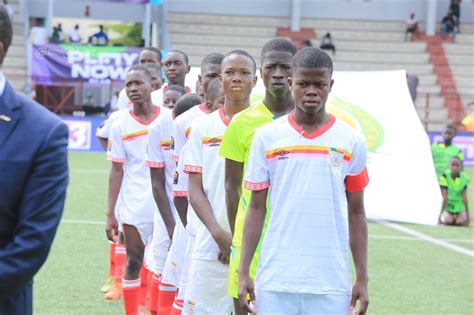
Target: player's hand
pixel 246 287
pixel 223 258
pixel 111 227
pixel 359 292
pixel 224 241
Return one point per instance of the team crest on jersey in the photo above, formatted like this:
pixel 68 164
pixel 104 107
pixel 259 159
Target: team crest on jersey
pixel 176 178
pixel 335 158
pixel 172 143
pixel 282 154
pixel 214 142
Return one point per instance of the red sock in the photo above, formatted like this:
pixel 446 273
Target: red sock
pixel 153 285
pixel 131 296
pixel 112 259
pixel 166 295
pixel 177 306
pixel 119 259
pixel 143 287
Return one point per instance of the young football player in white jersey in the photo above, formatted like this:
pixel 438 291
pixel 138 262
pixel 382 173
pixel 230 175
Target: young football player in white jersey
pixel 147 55
pixel 176 67
pixel 312 167
pixel 206 291
pixel 210 69
pixel 113 287
pixel 130 176
pixel 215 100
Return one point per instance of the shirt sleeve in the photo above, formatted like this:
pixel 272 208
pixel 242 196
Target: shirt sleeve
pixel 257 175
pixel 180 182
pixel 443 181
pixel 193 162
pixel 179 139
pixel 159 141
pixel 116 149
pixel 104 129
pixel 357 176
pixel 231 147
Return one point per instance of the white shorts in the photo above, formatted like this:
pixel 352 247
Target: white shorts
pixel 286 303
pixel 160 244
pixel 185 270
pixel 206 290
pixel 175 259
pixel 145 230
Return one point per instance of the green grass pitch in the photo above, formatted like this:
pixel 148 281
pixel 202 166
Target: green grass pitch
pixel 407 276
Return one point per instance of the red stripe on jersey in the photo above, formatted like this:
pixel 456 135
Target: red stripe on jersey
pixel 155 164
pixel 357 182
pixel 192 169
pixel 256 186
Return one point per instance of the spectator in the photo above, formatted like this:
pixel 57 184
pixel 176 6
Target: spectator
pixel 412 27
pixel 9 10
pixel 448 24
pixel 443 151
pixel 327 43
pixel 74 36
pixel 455 8
pixel 99 38
pixel 453 182
pixel 58 36
pixel 39 33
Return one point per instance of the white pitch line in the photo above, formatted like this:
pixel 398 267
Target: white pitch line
pixel 83 222
pixel 427 238
pixel 411 238
pixel 378 236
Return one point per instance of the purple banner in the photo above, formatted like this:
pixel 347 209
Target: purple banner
pixel 464 140
pixel 76 63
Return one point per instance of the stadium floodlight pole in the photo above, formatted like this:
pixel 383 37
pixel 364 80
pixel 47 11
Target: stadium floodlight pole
pixel 49 20
pixel 146 24
pixel 295 15
pixel 431 17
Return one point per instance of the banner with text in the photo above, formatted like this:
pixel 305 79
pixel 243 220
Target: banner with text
pixel 75 63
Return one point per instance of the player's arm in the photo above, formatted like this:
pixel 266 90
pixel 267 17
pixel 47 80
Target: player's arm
pixel 444 191
pixel 253 227
pixel 161 198
pixel 181 205
pixel 115 182
pixel 358 244
pixel 203 209
pixel 233 189
pixel 39 213
pixel 466 205
pixel 103 142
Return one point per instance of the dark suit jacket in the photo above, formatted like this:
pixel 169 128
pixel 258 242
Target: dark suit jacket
pixel 33 182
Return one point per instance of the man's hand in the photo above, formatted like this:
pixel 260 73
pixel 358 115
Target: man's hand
pixel 111 227
pixel 224 241
pixel 360 292
pixel 246 287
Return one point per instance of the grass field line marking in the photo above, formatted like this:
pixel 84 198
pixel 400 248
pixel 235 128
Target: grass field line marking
pixel 427 238
pixel 379 236
pixel 89 171
pixel 412 238
pixel 83 222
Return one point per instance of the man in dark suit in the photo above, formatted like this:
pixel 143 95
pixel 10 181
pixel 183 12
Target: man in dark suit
pixel 33 181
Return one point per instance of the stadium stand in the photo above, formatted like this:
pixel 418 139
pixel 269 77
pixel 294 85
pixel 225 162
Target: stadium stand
pixel 14 66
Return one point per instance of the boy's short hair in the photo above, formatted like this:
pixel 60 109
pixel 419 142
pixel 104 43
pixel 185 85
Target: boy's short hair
pixel 312 57
pixel 242 53
pixel 277 45
pixel 155 50
pixel 212 58
pixel 186 102
pixel 7 30
pixel 155 67
pixel 177 88
pixel 140 68
pixel 451 126
pixel 182 53
pixel 214 89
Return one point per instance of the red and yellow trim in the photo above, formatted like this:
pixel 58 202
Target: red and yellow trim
pixel 306 150
pixel 192 169
pixel 135 135
pixel 357 182
pixel 256 186
pixel 155 164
